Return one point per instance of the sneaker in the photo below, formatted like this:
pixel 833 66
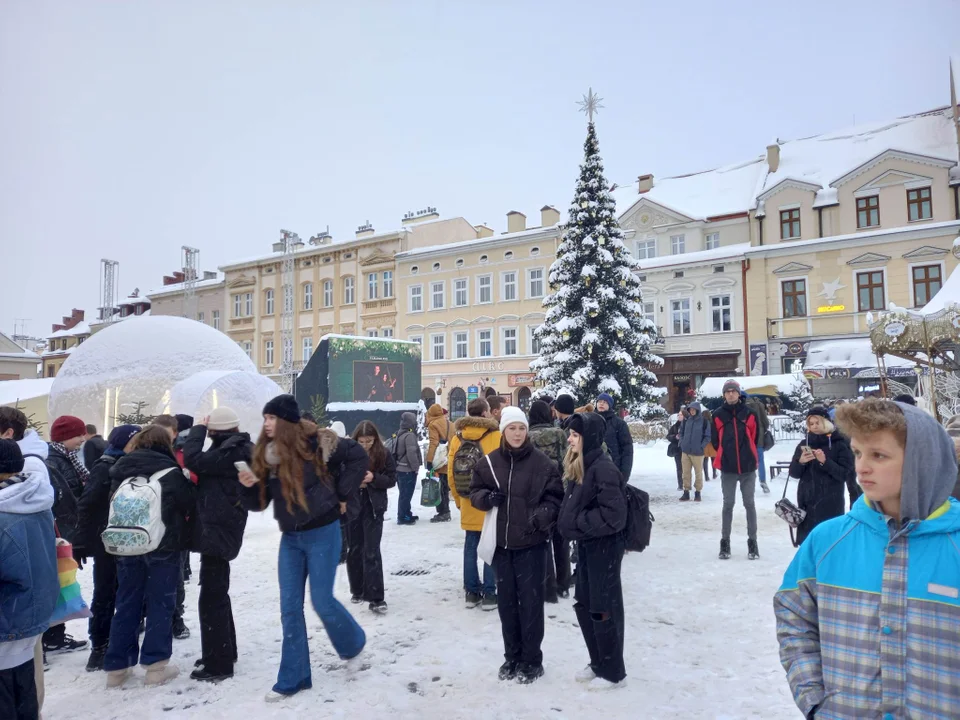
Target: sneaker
pixel 766 488
pixel 508 671
pixel 528 673
pixel 95 663
pixel 724 549
pixel 356 663
pixel 563 593
pixel 696 497
pixel 599 684
pixel 356 599
pixel 685 497
pixel 585 675
pixel 180 629
pixel 408 521
pixel 378 606
pixel 473 599
pixel 68 644
pixel 116 678
pixel 442 517
pixel 753 552
pixel 159 673
pixel 273 696
pixel 489 602
pixel 203 675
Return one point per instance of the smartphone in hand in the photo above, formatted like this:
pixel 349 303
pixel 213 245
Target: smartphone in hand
pixel 242 466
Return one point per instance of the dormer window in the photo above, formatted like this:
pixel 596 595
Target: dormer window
pixel 868 212
pixel 790 224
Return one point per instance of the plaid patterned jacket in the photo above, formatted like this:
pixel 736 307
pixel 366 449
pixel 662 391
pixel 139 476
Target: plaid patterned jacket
pixel 868 619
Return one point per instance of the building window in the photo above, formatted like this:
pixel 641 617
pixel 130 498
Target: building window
pixel 919 204
pixel 536 283
pixel 328 293
pixel 416 298
pixel 509 341
pixel 237 305
pixel 308 296
pixel 248 304
pixel 680 313
pixel 794 298
pixel 307 349
pixel 63 344
pixel 388 283
pixel 485 343
pixel 460 345
pixel 650 312
pixel 216 319
pixel 373 286
pixel 927 281
pixel 51 371
pixel 268 353
pixel 720 311
pixel 349 291
pixel 713 241
pixel 418 339
pixel 372 333
pixel 248 349
pixel 438 343
pixel 459 262
pixel 483 259
pixel 268 304
pixel 387 333
pixel 790 224
pixel 646 249
pixel 534 342
pixel 201 317
pixel 414 269
pixel 460 292
pixel 870 290
pixel 534 251
pixel 868 211
pixel 678 244
pixel 485 289
pixel 436 267
pixel 510 286
pixel 436 296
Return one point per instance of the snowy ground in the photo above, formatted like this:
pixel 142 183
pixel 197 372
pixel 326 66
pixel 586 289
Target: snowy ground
pixel 700 632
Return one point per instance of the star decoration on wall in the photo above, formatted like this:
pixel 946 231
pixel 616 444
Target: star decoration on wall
pixel 590 104
pixel 830 290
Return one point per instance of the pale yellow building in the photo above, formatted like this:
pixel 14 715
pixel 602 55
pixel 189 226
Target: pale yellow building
pixel 16 362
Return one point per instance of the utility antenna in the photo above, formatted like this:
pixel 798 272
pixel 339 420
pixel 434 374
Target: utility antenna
pixel 109 272
pixel 189 260
pixel 290 242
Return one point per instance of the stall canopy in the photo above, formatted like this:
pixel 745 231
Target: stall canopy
pixel 769 385
pixel 853 355
pixel 949 295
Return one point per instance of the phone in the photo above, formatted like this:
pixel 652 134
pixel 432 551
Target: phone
pixel 242 466
pixel 807 448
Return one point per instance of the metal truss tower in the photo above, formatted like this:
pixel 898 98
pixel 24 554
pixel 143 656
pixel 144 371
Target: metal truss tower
pixel 290 243
pixel 190 262
pixel 109 270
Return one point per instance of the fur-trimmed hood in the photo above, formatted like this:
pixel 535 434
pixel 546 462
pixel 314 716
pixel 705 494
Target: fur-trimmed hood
pixel 481 423
pixel 327 441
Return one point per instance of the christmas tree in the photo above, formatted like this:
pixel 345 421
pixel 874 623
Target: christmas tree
pixel 595 337
pixel 799 400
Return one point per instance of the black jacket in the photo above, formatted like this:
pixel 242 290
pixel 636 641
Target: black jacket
pixel 178 494
pixel 346 462
pixel 93 450
pixel 619 443
pixel 531 482
pixel 67 486
pixel 820 490
pixel 734 435
pixel 221 508
pixel 93 508
pixel 375 494
pixel 597 507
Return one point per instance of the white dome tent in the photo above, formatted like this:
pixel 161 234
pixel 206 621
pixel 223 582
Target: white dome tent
pixel 243 392
pixel 139 361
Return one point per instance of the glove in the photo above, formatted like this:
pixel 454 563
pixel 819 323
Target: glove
pixel 429 466
pixel 496 498
pixel 79 557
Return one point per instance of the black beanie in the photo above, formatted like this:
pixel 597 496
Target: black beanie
pixel 184 422
pixel 284 407
pixel 11 458
pixel 818 410
pixel 564 404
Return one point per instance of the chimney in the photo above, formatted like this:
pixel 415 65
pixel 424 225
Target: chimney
pixel 174 278
pixel 645 183
pixel 365 230
pixel 209 274
pixel 549 216
pixel 773 157
pixel 516 221
pixel 425 215
pixel 483 231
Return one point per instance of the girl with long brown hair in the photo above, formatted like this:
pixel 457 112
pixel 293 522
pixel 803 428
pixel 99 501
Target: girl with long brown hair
pixel 365 520
pixel 310 475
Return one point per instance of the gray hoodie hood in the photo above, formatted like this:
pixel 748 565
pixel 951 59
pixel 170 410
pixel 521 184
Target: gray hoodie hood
pixel 408 421
pixel 31 493
pixel 929 465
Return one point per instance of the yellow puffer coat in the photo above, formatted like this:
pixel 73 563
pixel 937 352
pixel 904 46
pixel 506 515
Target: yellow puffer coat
pixel 472 428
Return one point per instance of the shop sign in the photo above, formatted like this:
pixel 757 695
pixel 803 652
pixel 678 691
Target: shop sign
pixel 488 366
pixel 473 389
pixel 794 349
pixel 838 373
pixel 831 308
pixel 521 379
pixel 677 379
pixel 894 329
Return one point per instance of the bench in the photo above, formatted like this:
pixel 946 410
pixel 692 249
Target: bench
pixel 777 468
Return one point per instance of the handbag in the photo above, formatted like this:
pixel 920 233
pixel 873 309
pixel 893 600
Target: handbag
pixel 768 441
pixel 70 604
pixel 429 491
pixel 789 513
pixel 710 451
pixel 441 453
pixel 488 535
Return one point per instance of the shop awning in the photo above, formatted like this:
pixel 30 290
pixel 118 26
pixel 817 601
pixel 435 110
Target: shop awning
pixel 769 385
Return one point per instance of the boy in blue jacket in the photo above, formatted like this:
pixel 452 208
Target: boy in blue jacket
pixel 868 616
pixel 29 584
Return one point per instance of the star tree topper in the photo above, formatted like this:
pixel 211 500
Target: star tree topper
pixel 590 104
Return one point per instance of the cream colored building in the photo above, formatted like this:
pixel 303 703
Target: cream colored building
pixel 210 300
pixel 16 362
pixel 65 336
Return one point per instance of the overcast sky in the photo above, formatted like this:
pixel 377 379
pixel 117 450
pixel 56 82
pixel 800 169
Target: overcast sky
pixel 130 129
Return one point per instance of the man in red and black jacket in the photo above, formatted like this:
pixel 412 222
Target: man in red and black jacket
pixel 734 435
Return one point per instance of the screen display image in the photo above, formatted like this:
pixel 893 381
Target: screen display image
pixel 377 381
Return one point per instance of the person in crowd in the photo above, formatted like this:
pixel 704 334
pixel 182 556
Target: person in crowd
pixel 594 513
pixel 694 438
pixel 552 442
pixel 708 468
pixel 93 510
pixel 953 430
pixel 563 408
pixel 184 424
pixel 822 463
pixel 439 430
pixel 309 475
pixel 409 459
pixel 759 408
pixel 475 435
pixel 525 484
pixel 29 583
pixel 619 442
pixel 152 576
pixel 338 427
pixel 734 437
pixel 93 447
pixel 364 532
pixel 906 398
pixel 867 612
pixel 496 406
pixel 217 532
pixel 673 443
pixel 308 416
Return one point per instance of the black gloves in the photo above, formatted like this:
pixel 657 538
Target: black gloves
pixel 429 466
pixel 80 557
pixel 496 498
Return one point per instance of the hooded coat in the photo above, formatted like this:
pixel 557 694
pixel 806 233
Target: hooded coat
pixel 439 430
pixel 93 508
pixel 472 428
pixel 868 611
pixel 619 442
pixel 694 432
pixel 407 451
pixel 820 488
pixel 953 430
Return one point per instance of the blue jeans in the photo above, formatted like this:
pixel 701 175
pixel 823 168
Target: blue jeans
pixel 761 466
pixel 471 577
pixel 152 577
pixel 314 554
pixel 407 482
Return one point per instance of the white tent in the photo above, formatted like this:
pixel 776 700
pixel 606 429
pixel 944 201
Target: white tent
pixel 243 392
pixel 949 294
pixel 753 385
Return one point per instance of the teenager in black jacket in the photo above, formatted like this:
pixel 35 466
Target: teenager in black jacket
pixel 617 435
pixel 594 513
pixel 365 531
pixel 525 485
pixel 217 532
pixel 310 475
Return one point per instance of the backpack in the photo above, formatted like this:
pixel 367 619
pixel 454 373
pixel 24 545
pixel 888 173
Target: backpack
pixel 65 501
pixel 545 442
pixel 441 454
pixel 391 445
pixel 136 526
pixel 466 459
pixel 639 520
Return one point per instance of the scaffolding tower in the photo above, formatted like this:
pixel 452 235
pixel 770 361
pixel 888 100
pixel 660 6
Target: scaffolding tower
pixel 289 243
pixel 109 272
pixel 190 261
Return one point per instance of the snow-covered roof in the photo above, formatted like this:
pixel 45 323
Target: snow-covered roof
pixel 16 351
pixel 725 252
pixel 81 328
pixel 52 353
pixel 179 287
pixel 318 249
pixel 713 387
pixel 467 245
pixel 854 353
pixel 13 390
pixel 790 248
pixel 949 293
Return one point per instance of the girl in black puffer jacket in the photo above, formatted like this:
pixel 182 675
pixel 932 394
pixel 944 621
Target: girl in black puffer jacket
pixel 525 485
pixel 594 513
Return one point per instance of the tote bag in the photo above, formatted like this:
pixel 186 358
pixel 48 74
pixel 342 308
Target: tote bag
pixel 70 604
pixel 488 535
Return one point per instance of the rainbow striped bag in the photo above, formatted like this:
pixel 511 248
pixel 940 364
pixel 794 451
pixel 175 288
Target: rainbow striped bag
pixel 70 604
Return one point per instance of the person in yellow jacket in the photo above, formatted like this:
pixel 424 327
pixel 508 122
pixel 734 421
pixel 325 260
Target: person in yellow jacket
pixel 440 430
pixel 476 435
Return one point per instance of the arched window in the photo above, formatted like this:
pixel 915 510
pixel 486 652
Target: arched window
pixel 458 404
pixel 268 302
pixel 523 399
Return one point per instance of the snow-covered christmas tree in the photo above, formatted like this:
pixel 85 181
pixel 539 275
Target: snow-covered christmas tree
pixel 595 337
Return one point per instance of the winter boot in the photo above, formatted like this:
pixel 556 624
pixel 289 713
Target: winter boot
pixel 95 662
pixel 696 496
pixel 766 488
pixel 528 673
pixel 753 552
pixel 489 602
pixel 724 549
pixel 116 678
pixel 472 599
pixel 508 671
pixel 441 517
pixel 180 629
pixel 160 672
pixel 685 497
pixel 201 674
pixel 356 599
pixel 378 606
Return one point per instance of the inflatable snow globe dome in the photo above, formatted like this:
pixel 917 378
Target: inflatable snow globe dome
pixel 128 369
pixel 243 392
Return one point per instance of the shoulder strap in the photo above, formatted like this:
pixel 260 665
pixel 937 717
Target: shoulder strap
pixel 43 460
pixel 785 489
pixel 160 473
pixel 492 471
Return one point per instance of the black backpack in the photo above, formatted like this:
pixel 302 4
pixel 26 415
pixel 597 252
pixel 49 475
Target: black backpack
pixel 639 520
pixel 64 502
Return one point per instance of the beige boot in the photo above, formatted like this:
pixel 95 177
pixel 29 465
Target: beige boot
pixel 116 678
pixel 160 672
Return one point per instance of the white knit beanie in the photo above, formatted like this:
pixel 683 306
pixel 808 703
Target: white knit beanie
pixel 223 418
pixel 512 414
pixel 339 428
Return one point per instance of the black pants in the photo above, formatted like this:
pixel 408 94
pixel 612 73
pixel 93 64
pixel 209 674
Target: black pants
pixel 558 566
pixel 444 507
pixel 599 604
pixel 218 636
pixel 679 460
pixel 104 599
pixel 364 564
pixel 181 590
pixel 520 602
pixel 18 693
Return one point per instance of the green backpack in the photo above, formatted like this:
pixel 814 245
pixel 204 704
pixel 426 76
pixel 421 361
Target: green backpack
pixel 468 455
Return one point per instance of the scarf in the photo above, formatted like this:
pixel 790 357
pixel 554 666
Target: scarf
pixel 74 457
pixel 10 482
pixel 271 455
